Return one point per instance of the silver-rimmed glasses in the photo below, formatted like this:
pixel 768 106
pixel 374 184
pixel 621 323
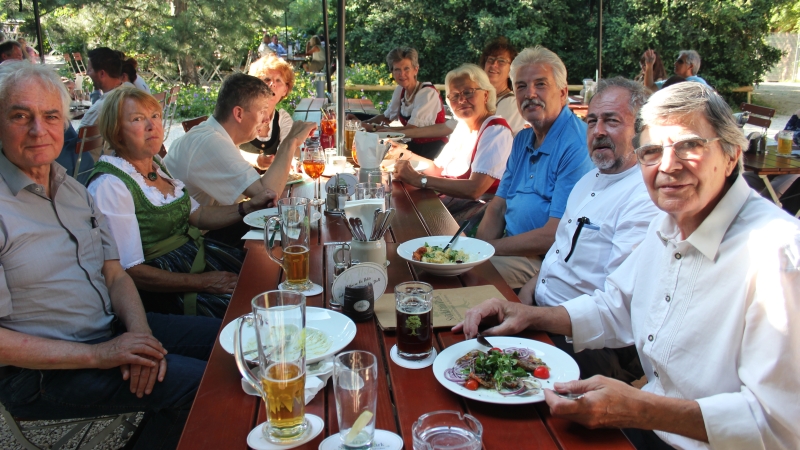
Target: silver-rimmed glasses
pixel 689 149
pixel 466 93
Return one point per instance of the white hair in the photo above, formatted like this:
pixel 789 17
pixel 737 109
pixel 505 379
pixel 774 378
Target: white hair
pixel 477 75
pixel 540 55
pixel 693 58
pixel 13 74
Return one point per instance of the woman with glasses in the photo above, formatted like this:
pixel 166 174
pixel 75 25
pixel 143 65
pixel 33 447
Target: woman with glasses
pixel 414 103
pixel 279 76
pixel 469 168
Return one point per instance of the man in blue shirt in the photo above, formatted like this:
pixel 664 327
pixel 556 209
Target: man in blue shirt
pixel 276 46
pixel 545 163
pixel 686 66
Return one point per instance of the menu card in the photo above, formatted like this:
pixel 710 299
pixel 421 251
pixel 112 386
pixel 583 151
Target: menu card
pixel 449 305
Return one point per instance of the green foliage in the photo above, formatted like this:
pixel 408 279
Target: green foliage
pixel 370 74
pixel 786 17
pixel 728 34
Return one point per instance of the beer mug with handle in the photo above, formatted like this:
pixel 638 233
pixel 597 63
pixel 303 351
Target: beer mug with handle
pixel 294 221
pixel 279 319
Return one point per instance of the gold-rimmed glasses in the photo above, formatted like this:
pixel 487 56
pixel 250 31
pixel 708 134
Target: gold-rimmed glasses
pixel 466 93
pixel 496 59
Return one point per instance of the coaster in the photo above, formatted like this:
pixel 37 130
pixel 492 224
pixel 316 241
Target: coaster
pixel 421 364
pixel 257 441
pixel 315 289
pixel 383 440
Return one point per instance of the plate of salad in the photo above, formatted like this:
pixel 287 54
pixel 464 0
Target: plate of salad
pixel 514 372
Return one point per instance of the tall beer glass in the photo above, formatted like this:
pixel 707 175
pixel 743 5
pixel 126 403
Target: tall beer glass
pixel 414 302
pixel 294 221
pixel 279 318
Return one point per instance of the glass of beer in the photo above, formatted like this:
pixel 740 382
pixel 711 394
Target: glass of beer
pixel 355 385
pixel 349 137
pixel 294 223
pixel 785 138
pixel 279 319
pixel 413 304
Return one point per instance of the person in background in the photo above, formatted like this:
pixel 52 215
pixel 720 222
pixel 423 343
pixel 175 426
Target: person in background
pixel 11 51
pixel 263 47
pixel 75 341
pixel 30 54
pixel 414 103
pixel 276 46
pixel 545 163
pixel 104 67
pixel 279 76
pixel 659 73
pixel 317 53
pixel 710 298
pixel 131 75
pixel 468 170
pixel 686 66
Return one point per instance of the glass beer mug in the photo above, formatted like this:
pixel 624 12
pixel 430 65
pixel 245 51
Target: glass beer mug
pixel 294 220
pixel 279 319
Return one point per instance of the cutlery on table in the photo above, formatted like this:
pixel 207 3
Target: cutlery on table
pixel 387 220
pixel 376 223
pixel 482 340
pixel 569 395
pixel 460 229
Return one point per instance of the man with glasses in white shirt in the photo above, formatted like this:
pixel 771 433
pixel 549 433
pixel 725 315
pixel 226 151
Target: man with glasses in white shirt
pixel 607 215
pixel 708 298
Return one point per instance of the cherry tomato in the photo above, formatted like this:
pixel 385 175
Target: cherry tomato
pixel 472 385
pixel 495 349
pixel 542 372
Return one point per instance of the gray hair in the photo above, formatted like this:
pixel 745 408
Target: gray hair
pixel 477 75
pixel 13 74
pixel 401 53
pixel 540 55
pixel 636 90
pixel 679 101
pixel 693 58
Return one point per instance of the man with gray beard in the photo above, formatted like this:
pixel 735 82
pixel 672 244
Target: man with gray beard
pixel 545 163
pixel 607 215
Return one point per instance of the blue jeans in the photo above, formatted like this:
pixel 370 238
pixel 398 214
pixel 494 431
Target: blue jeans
pixel 80 393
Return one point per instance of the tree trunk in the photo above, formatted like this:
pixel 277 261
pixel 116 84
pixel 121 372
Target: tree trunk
pixel 186 65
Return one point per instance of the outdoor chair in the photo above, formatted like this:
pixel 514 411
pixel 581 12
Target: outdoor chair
pixel 162 98
pixel 759 115
pixel 76 426
pixel 89 139
pixel 191 123
pixel 80 67
pixel 170 109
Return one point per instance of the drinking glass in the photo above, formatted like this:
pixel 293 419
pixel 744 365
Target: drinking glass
pixel 785 138
pixel 313 166
pixel 293 220
pixel 279 319
pixel 355 385
pixel 447 430
pixel 330 153
pixel 413 304
pixel 349 137
pixel 369 190
pixel 384 178
pixel 327 136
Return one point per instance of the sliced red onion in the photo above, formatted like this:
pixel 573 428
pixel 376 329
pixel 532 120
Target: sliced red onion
pixel 521 352
pixel 455 375
pixel 521 389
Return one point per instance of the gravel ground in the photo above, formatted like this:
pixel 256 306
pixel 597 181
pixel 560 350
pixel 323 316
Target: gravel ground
pixel 46 438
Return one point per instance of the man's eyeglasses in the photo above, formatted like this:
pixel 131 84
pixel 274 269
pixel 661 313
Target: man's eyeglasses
pixel 500 61
pixel 680 61
pixel 686 149
pixel 466 93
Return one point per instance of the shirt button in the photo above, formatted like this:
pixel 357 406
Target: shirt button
pixel 543 280
pixel 655 373
pixel 531 176
pixel 592 194
pixel 597 174
pixel 569 221
pixel 678 256
pixel 556 252
pixel 650 338
pixel 667 299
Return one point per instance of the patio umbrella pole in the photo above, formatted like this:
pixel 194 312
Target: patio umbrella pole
pixel 38 21
pixel 600 42
pixel 340 106
pixel 327 44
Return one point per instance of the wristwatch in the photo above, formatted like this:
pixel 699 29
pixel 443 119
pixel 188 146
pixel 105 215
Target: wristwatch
pixel 241 209
pixel 424 182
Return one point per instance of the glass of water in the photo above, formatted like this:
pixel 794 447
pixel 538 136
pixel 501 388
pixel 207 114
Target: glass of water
pixel 355 386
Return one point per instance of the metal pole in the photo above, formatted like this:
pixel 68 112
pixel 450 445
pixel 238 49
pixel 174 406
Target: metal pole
pixel 327 45
pixel 38 21
pixel 600 42
pixel 286 26
pixel 340 102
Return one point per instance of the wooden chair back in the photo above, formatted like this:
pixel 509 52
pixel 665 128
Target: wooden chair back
pixel 81 67
pixel 161 97
pixel 191 123
pixel 760 116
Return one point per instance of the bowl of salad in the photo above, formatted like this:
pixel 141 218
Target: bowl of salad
pixel 427 253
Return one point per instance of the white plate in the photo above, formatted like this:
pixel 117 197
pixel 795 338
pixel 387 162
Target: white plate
pixel 387 165
pixel 478 251
pixel 383 440
pixel 390 135
pixel 336 326
pixel 347 178
pixel 258 219
pixel 562 368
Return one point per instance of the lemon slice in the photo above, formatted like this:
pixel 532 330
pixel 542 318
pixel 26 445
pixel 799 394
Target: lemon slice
pixel 358 425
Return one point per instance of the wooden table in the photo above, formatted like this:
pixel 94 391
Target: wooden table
pixel 579 108
pixel 309 108
pixel 764 165
pixel 223 415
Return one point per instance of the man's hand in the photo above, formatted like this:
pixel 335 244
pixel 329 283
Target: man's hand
pixel 218 282
pixel 300 131
pixel 606 403
pixel 511 316
pixel 527 291
pixel 143 379
pixel 650 57
pixel 263 199
pixel 404 172
pixel 264 161
pixel 129 348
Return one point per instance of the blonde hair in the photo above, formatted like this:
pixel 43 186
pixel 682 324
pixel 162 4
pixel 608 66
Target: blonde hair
pixel 477 75
pixel 540 55
pixel 109 121
pixel 263 65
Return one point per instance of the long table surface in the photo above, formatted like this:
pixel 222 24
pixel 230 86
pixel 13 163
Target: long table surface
pixel 771 164
pixel 223 415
